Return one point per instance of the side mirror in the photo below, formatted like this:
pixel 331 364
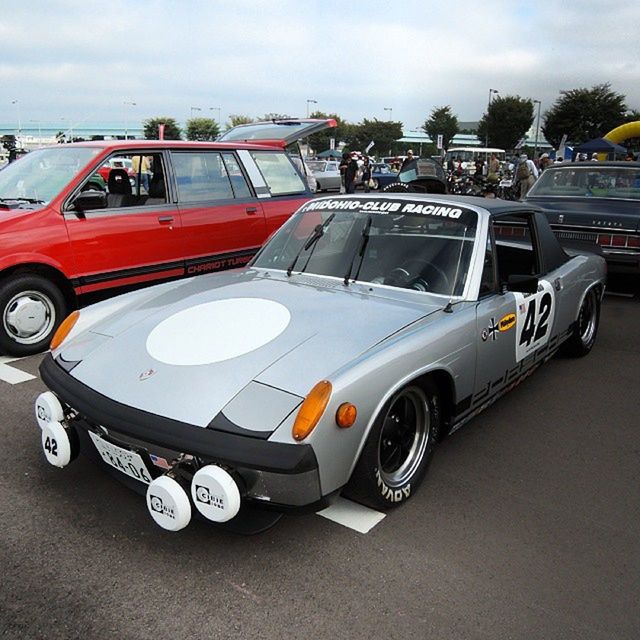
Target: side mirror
pixel 522 284
pixel 91 199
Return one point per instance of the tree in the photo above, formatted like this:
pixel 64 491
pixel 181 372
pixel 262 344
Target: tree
pixel 235 120
pixel 507 120
pixel 171 129
pixel 584 114
pixel 321 141
pixel 383 134
pixel 441 121
pixel 202 129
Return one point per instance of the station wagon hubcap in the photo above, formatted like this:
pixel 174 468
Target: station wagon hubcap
pixel 404 437
pixel 29 317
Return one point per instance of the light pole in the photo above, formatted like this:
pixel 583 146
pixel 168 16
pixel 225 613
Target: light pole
pixel 390 110
pixel 535 146
pixel 310 101
pixel 126 104
pixel 486 137
pixel 194 109
pixel 218 109
pixel 39 130
pixel 17 103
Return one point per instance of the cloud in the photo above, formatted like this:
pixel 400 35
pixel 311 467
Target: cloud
pixel 66 58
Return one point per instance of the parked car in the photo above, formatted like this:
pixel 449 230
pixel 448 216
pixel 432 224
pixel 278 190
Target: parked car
pixel 326 173
pixel 208 207
pixel 363 332
pixel 117 163
pixel 596 202
pixel 382 175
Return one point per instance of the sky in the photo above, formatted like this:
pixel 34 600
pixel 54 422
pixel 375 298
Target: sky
pixel 66 60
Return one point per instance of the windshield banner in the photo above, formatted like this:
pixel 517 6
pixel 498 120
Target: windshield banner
pixel 386 206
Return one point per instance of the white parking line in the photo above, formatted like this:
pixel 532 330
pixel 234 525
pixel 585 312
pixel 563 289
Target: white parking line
pixel 352 515
pixel 10 374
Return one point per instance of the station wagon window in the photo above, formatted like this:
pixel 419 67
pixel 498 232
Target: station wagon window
pixel 201 176
pixel 130 180
pixel 238 181
pixel 278 172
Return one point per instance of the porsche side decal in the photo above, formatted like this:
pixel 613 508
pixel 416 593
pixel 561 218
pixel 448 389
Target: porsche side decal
pixel 507 322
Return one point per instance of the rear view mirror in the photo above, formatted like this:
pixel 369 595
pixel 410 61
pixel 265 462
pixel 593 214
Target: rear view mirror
pixel 91 199
pixel 522 284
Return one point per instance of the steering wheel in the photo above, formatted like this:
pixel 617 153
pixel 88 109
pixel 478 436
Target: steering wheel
pixel 419 274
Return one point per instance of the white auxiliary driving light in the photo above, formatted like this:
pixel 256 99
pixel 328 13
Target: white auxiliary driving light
pixel 215 493
pixel 56 444
pixel 168 504
pixel 48 409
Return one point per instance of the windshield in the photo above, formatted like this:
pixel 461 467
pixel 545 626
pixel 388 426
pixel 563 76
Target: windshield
pixel 410 244
pixel 589 181
pixel 317 166
pixel 42 174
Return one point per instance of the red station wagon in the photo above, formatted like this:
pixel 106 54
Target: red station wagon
pixel 190 208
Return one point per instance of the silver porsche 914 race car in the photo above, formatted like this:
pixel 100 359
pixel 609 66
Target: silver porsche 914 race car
pixel 364 331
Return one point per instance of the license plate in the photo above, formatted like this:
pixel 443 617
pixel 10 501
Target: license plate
pixel 505 183
pixel 128 462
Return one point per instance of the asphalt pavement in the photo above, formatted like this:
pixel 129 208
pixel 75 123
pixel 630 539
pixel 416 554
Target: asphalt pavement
pixel 528 526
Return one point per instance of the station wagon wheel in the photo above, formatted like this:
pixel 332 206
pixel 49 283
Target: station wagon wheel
pixel 31 308
pixel 586 328
pixel 396 454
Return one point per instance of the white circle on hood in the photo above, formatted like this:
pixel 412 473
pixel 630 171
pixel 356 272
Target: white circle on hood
pixel 217 331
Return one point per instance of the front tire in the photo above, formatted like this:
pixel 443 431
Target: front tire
pixel 584 333
pixel 31 308
pixel 398 449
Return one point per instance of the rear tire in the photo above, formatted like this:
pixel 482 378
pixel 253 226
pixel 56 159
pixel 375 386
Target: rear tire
pixel 399 447
pixel 31 308
pixel 584 333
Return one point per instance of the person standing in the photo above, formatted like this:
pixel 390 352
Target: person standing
pixel 350 173
pixel 407 160
pixel 342 167
pixel 366 174
pixel 526 175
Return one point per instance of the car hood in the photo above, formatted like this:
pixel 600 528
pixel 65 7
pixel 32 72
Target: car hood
pixel 189 350
pixel 604 213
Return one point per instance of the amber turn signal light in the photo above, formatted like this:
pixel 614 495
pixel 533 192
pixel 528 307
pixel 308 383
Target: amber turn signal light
pixel 64 329
pixel 311 410
pixel 346 415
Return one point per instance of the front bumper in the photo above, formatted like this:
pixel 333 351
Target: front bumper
pixel 271 474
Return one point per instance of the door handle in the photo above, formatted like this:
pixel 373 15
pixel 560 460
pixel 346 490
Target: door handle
pixel 165 219
pixel 251 211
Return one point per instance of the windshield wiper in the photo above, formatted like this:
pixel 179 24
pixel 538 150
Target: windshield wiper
pixel 314 236
pixel 19 199
pixel 360 252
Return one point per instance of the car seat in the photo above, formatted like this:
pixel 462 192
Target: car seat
pixel 119 189
pixel 156 190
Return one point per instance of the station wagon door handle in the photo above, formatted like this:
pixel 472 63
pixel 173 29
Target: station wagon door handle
pixel 251 211
pixel 165 219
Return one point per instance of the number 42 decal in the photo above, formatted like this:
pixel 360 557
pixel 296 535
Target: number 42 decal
pixel 535 319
